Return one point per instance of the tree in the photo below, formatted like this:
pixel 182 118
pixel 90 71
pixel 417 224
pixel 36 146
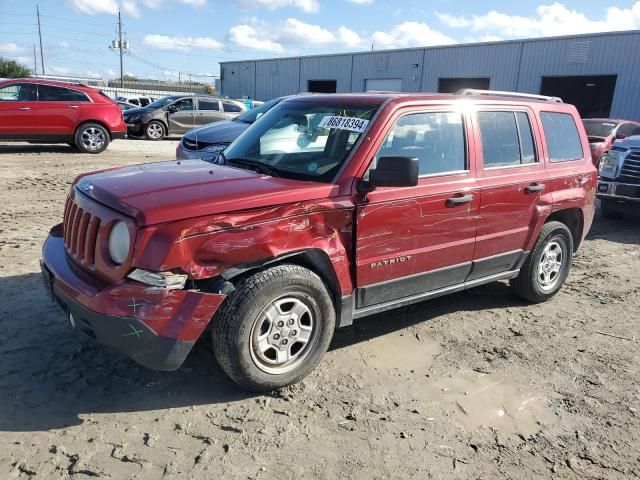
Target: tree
pixel 127 77
pixel 12 69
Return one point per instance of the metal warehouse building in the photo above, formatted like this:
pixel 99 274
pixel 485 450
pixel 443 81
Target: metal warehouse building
pixel 599 73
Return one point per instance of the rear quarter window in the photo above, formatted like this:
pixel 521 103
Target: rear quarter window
pixel 563 140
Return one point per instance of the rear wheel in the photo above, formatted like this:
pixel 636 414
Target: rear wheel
pixel 274 329
pixel 547 266
pixel 154 130
pixel 92 138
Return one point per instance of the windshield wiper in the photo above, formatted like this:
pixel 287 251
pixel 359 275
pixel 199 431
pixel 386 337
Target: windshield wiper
pixel 248 162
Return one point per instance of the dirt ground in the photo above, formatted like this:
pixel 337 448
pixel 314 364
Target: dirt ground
pixel 474 385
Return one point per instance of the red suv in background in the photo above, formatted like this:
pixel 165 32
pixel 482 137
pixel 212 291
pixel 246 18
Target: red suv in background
pixel 602 132
pixel 327 209
pixel 47 111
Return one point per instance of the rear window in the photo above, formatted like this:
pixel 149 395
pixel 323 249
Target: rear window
pixel 563 140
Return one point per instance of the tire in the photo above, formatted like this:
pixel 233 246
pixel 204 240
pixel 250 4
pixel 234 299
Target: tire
pixel 538 280
pixel 91 138
pixel 155 130
pixel 608 209
pixel 248 344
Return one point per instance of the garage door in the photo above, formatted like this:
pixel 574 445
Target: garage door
pixel 383 84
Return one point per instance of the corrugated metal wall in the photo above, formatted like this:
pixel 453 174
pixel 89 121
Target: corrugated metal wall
pixel 517 66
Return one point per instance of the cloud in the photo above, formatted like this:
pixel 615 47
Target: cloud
pixel 293 33
pixel 410 34
pixel 307 6
pixel 111 72
pixel 185 44
pixel 248 36
pixel 10 48
pixel 58 70
pixel 128 7
pixel 549 20
pixel 92 74
pixel 94 7
pixel 362 2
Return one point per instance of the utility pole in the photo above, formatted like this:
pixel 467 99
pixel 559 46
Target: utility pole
pixel 35 61
pixel 120 46
pixel 40 35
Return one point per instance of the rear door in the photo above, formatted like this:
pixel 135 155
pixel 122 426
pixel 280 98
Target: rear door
pixel 413 240
pixel 17 102
pixel 184 118
pixel 58 110
pixel 209 111
pixel 512 179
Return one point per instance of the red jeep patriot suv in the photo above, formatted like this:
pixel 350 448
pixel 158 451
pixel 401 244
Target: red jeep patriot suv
pixel 327 209
pixel 46 111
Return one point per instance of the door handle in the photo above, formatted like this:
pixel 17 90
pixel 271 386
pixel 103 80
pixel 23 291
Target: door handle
pixel 534 187
pixel 24 108
pixel 454 201
pixel 73 107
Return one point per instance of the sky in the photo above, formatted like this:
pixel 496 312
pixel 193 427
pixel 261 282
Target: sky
pixel 192 36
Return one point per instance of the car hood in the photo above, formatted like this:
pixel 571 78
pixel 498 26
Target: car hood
pixel 629 142
pixel 167 191
pixel 136 111
pixel 220 132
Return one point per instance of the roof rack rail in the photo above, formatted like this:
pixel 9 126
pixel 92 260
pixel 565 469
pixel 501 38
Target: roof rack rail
pixel 498 93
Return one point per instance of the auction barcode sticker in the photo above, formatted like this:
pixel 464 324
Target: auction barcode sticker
pixel 344 123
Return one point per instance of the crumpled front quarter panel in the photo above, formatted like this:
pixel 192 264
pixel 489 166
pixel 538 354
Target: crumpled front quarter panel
pixel 207 246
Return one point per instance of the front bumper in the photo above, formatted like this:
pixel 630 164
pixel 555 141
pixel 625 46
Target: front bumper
pixel 623 192
pixel 118 134
pixel 155 327
pixel 134 129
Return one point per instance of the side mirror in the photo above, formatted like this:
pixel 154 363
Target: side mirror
pixel 394 172
pixel 172 109
pixel 620 136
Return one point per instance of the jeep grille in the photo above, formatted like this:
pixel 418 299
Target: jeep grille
pixel 80 233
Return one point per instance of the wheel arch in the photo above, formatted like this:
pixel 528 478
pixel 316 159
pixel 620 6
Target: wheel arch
pixel 573 218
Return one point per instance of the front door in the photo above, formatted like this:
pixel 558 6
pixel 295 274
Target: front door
pixel 418 239
pixel 512 188
pixel 183 117
pixel 17 103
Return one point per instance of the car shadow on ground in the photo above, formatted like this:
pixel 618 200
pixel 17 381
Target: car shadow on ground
pixel 37 148
pixel 52 378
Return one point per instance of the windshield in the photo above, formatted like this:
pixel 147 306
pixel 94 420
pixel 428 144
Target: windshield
pixel 302 140
pixel 252 115
pixel 597 128
pixel 162 102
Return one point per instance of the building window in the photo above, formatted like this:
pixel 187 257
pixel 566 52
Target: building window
pixel 322 86
pixel 452 85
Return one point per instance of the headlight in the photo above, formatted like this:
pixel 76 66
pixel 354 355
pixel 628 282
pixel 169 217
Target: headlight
pixel 214 148
pixel 611 160
pixel 119 243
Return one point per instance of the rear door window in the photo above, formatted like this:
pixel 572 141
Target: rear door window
pixel 563 140
pixel 507 139
pixel 206 104
pixel 49 93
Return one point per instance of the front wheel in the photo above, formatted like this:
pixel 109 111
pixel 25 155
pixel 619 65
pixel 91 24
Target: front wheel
pixel 274 329
pixel 154 130
pixel 547 266
pixel 92 138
